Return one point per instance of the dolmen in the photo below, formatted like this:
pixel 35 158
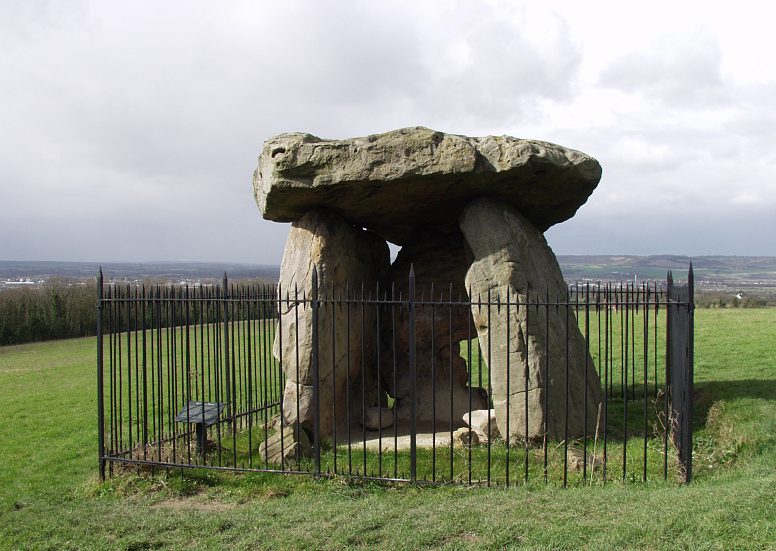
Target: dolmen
pixel 469 214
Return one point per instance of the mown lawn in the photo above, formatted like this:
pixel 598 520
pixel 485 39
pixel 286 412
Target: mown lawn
pixel 50 496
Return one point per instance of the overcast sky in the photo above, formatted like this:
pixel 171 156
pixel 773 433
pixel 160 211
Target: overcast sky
pixel 130 130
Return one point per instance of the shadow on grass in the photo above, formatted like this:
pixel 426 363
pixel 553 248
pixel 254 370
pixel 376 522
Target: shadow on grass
pixel 709 392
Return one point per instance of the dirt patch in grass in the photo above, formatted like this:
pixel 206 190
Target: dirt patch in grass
pixel 194 504
pixel 463 539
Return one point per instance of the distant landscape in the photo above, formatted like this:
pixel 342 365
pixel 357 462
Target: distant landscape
pixel 724 272
pixel 55 300
pixel 38 271
pixel 732 274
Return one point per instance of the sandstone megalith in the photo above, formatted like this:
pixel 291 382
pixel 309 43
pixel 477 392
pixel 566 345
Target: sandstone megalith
pixel 341 253
pixel 440 266
pixel 512 258
pixel 469 214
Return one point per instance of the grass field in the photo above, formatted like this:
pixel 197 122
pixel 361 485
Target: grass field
pixel 51 498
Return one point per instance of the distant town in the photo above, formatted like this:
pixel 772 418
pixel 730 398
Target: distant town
pixel 20 274
pixel 729 274
pixel 20 283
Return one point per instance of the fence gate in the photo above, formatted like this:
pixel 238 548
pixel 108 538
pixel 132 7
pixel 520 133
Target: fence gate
pixel 680 369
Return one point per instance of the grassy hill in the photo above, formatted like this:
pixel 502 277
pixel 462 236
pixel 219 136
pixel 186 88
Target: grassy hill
pixel 51 498
pixel 707 268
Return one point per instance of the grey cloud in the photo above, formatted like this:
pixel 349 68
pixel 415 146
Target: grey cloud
pixel 644 232
pixel 151 100
pixel 506 73
pixel 683 72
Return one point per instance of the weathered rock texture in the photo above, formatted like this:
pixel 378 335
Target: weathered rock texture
pixel 448 200
pixel 511 256
pixel 483 423
pixel 342 254
pixel 441 376
pixel 393 182
pixel 286 446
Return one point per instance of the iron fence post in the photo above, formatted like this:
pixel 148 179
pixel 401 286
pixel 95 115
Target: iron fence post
pixel 690 370
pixel 225 301
pixel 670 390
pixel 680 361
pixel 413 375
pixel 100 388
pixel 315 374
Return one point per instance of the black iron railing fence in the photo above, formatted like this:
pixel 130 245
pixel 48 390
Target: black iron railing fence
pixel 195 378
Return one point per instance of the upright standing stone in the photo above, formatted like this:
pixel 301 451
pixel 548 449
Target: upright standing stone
pixel 511 256
pixel 441 376
pixel 342 254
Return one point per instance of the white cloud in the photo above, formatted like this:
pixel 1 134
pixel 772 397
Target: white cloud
pixel 746 199
pixel 685 74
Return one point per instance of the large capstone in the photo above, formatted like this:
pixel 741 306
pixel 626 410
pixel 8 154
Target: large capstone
pixel 529 351
pixel 343 255
pixel 394 182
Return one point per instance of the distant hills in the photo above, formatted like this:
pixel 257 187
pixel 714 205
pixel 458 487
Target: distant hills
pixel 707 269
pixel 710 271
pixel 725 263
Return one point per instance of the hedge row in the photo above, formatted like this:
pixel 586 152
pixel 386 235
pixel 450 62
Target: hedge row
pixel 57 310
pixel 65 309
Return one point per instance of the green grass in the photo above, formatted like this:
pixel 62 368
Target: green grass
pixel 50 496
